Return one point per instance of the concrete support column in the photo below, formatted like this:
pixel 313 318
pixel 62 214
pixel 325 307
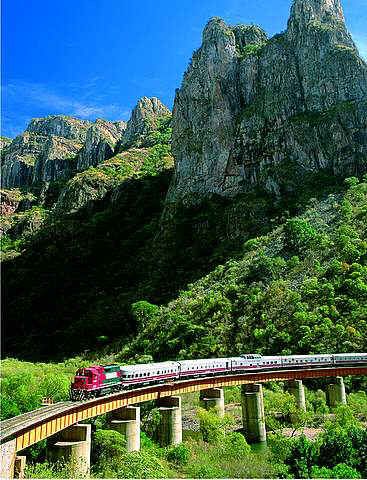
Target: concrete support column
pixel 73 446
pixel 253 414
pixel 335 393
pixel 296 388
pixel 19 466
pixel 170 425
pixel 127 422
pixel 7 459
pixel 213 398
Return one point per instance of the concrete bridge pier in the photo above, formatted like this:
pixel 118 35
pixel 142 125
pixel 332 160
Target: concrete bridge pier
pixel 253 415
pixel 297 389
pixel 170 425
pixel 126 421
pixel 213 398
pixel 72 445
pixel 335 393
pixel 7 459
pixel 19 466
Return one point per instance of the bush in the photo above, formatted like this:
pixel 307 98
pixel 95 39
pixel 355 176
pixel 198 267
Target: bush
pixel 339 471
pixel 211 426
pixel 179 454
pixel 234 446
pixel 108 444
pixel 141 464
pixel 47 470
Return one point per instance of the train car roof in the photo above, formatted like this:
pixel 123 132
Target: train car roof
pixel 205 360
pixel 303 356
pixel 349 354
pixel 145 366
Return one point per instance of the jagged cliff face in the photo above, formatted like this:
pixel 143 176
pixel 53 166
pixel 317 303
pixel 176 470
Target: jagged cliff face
pixel 57 146
pixel 142 123
pixel 253 111
pixel 46 151
pixel 100 143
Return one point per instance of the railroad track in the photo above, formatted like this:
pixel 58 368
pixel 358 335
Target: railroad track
pixel 26 428
pixel 12 425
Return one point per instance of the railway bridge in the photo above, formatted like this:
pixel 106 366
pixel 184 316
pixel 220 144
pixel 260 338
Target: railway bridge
pixel 70 439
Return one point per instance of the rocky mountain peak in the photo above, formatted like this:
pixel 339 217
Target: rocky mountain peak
pixel 253 111
pixel 143 121
pixel 305 11
pixel 60 125
pixel 215 30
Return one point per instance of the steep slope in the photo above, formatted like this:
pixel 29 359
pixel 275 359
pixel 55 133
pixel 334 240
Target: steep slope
pixel 253 111
pixel 56 147
pixel 301 288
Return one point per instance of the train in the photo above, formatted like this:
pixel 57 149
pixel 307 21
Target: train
pixel 96 381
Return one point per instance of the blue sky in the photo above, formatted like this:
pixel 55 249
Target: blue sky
pixel 95 58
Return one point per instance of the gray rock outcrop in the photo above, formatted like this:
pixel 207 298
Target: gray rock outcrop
pixel 142 123
pixel 253 111
pixel 4 142
pixel 46 151
pixel 100 143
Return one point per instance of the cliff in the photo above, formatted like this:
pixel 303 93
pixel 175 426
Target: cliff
pixel 46 151
pixel 58 146
pixel 259 112
pixel 143 123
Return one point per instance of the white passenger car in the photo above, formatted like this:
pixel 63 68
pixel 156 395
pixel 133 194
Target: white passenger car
pixel 245 362
pixel 210 366
pixel 306 360
pixel 347 358
pixel 149 372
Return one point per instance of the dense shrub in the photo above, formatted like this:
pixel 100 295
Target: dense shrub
pixel 179 454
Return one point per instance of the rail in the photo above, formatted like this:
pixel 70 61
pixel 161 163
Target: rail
pixel 32 427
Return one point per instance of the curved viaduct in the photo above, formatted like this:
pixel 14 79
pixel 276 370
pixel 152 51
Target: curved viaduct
pixel 24 430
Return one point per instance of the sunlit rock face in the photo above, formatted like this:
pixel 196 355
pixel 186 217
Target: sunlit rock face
pixel 100 143
pixel 254 111
pixel 46 151
pixel 143 122
pixel 58 146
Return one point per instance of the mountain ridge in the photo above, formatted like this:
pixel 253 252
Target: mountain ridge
pixel 253 111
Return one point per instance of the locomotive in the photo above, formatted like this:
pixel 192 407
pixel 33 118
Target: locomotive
pixel 98 380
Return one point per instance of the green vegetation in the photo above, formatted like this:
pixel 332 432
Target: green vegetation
pixel 338 452
pixel 24 384
pixel 322 26
pixel 301 288
pixel 318 118
pixel 19 228
pixel 251 49
pixel 217 451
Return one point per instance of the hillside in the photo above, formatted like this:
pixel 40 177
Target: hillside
pixel 301 288
pixel 242 236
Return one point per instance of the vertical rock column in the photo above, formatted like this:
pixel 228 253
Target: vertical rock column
pixel 335 393
pixel 73 445
pixel 127 422
pixel 213 398
pixel 253 415
pixel 170 426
